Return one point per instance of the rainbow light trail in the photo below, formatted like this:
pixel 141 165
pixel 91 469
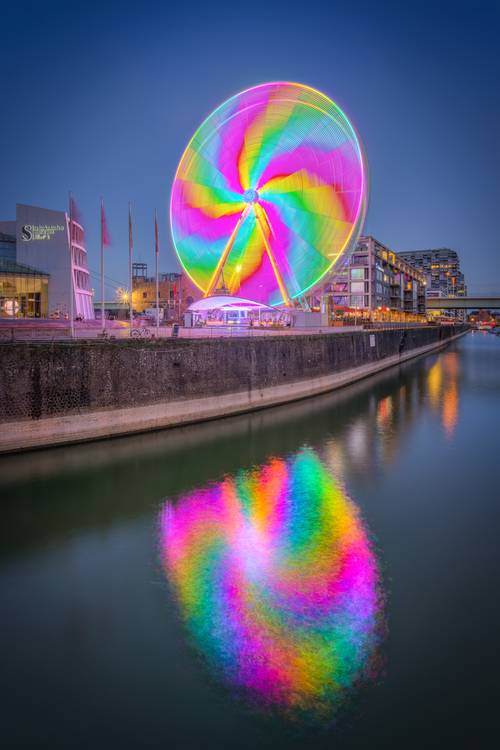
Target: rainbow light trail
pixel 278 583
pixel 290 151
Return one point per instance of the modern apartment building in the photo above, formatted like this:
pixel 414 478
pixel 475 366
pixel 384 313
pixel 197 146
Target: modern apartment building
pixel 376 278
pixel 441 267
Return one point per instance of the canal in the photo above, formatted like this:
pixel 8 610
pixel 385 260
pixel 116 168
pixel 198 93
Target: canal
pixel 322 574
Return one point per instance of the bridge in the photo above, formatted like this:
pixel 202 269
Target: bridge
pixel 463 303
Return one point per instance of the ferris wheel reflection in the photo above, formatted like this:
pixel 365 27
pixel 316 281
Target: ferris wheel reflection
pixel 278 583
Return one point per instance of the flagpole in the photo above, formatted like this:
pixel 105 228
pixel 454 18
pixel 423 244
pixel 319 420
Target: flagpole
pixel 157 253
pixel 103 322
pixel 179 298
pixel 130 249
pixel 71 274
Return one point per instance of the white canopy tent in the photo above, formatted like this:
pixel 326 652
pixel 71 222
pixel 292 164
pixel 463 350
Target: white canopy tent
pixel 225 302
pixel 227 310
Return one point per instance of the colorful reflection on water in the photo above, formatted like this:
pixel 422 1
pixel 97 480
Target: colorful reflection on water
pixel 278 583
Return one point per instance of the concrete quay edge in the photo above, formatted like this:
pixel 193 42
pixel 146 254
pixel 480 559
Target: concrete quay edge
pixel 106 423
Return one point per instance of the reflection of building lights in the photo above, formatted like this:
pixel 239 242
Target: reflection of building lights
pixel 450 409
pixel 434 381
pixel 450 396
pixel 442 387
pixel 450 364
pixel 357 440
pixel 335 458
pixel 384 411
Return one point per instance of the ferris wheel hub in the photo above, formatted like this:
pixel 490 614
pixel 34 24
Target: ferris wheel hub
pixel 251 196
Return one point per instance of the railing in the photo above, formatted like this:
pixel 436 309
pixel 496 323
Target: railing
pixel 38 333
pixel 391 325
pixel 42 333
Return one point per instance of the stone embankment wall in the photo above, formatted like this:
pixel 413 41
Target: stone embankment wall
pixel 62 392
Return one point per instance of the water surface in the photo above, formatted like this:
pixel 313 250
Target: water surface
pixel 326 572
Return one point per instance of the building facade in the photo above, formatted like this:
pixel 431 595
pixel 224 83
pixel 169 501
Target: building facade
pixel 375 280
pixel 176 292
pixel 441 267
pixel 41 238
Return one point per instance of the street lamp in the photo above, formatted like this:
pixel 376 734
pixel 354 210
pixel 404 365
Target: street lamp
pixel 122 295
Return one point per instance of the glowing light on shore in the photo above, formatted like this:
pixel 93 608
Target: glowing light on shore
pixel 122 295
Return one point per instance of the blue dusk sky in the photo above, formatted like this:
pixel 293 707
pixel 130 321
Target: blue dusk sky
pixel 102 98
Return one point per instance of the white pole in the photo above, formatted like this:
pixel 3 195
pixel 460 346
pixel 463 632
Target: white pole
pixel 179 297
pixel 130 249
pixel 157 300
pixel 103 322
pixel 71 273
pixel 157 253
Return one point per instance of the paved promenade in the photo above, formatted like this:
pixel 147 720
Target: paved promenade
pixel 60 330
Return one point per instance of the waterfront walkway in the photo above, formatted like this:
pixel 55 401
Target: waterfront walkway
pixel 24 330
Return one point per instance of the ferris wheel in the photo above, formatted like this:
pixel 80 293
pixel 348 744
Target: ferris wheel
pixel 269 195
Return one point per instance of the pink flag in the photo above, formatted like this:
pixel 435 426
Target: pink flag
pixel 105 237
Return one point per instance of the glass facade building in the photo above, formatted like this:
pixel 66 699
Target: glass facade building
pixel 39 241
pixel 24 291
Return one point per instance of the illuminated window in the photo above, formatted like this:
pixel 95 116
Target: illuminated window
pixel 357 286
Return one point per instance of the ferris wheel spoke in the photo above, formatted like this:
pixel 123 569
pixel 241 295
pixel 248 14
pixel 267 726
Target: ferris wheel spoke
pixel 224 255
pixel 314 228
pixel 282 286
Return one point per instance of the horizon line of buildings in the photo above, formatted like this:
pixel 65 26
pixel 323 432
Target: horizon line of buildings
pixel 41 266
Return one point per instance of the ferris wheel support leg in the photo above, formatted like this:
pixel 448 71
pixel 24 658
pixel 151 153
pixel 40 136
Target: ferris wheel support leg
pixel 222 260
pixel 272 260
